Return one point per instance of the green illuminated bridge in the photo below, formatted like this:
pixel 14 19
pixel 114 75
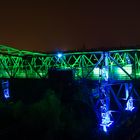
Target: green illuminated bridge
pixel 115 64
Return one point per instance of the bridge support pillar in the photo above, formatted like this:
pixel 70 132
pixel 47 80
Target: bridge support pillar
pixel 128 97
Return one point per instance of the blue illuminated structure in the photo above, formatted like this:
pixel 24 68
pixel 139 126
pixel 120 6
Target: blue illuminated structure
pixel 5 88
pixel 104 109
pixel 129 104
pixel 110 95
pixel 128 59
pixel 115 70
pixel 105 118
pixel 104 96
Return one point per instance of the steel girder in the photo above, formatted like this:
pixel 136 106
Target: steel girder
pixel 122 64
pixel 108 99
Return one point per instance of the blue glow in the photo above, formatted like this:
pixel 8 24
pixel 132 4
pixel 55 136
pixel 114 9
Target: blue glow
pixel 128 60
pixel 105 74
pixel 126 91
pixel 5 87
pixel 104 128
pixel 59 55
pixel 6 93
pixel 105 118
pixel 129 104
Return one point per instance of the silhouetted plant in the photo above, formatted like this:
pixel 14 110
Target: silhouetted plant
pixel 43 116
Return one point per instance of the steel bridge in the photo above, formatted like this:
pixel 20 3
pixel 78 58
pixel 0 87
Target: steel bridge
pixel 115 73
pixel 119 64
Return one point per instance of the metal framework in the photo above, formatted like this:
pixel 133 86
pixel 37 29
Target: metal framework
pixel 115 72
pixel 120 64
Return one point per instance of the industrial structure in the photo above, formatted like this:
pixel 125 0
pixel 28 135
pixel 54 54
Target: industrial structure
pixel 115 73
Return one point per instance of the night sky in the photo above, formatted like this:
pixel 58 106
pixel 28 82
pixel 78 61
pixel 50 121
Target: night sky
pixel 67 25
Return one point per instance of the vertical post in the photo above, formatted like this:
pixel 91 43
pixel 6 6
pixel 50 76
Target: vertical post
pixel 126 91
pixel 135 67
pixel 104 96
pixel 129 103
pixel 104 109
pixel 105 69
pixel 82 66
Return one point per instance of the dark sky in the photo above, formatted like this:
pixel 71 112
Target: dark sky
pixel 67 25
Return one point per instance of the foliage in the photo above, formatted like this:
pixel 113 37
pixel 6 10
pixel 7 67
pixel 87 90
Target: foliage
pixel 49 118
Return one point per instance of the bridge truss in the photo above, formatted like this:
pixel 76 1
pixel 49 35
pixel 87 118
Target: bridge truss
pixel 120 64
pixel 116 73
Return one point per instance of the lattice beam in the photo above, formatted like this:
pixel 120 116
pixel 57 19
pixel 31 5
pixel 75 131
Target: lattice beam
pixel 122 64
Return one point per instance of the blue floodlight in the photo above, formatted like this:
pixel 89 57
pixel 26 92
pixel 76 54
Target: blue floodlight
pixel 59 55
pixel 5 87
pixel 105 118
pixel 6 93
pixel 129 104
pixel 105 73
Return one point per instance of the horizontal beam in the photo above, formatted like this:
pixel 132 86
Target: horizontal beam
pixel 24 64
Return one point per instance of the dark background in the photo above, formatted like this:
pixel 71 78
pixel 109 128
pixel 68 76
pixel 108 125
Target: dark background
pixel 67 25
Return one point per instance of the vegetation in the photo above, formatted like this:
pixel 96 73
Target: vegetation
pixel 48 118
pixel 66 114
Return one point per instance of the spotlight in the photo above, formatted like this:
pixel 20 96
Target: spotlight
pixel 59 55
pixel 129 105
